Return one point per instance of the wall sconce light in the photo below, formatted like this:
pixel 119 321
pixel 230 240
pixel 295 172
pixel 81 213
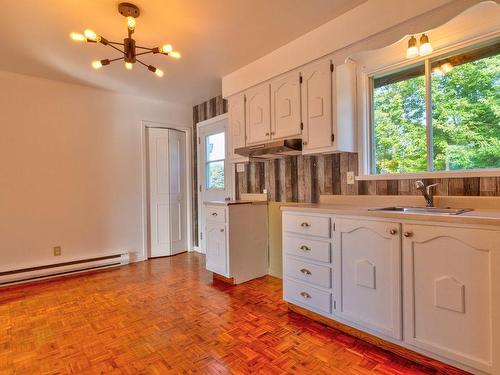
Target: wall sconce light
pixel 424 49
pixel 425 45
pixel 412 50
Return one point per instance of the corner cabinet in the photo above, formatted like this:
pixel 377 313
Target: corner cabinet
pixel 368 277
pixel 452 293
pixel 431 288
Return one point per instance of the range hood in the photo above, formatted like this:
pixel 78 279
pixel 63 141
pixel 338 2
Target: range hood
pixel 272 150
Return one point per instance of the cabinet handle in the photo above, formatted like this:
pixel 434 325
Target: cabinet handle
pixel 305 295
pixel 305 248
pixel 305 271
pixel 407 234
pixel 304 143
pixel 393 231
pixel 222 230
pixel 214 213
pixel 267 134
pixel 305 225
pixel 273 133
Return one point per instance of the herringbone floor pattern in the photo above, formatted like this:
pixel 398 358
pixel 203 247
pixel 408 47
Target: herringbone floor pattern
pixel 165 316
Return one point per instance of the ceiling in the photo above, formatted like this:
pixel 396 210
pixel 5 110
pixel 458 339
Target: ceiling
pixel 215 38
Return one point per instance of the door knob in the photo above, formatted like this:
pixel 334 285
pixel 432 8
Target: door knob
pixel 393 231
pixel 407 234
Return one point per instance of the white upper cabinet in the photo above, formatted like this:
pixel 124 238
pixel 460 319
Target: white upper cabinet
pixel 451 293
pixel 328 107
pixel 237 125
pixel 258 114
pixel 367 258
pixel 317 107
pixel 285 106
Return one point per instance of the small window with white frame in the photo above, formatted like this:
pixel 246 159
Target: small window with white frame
pixel 440 114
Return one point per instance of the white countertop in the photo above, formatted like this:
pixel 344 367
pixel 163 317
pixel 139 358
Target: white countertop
pixel 478 216
pixel 232 202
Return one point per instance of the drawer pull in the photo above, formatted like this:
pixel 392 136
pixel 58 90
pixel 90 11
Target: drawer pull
pixel 305 295
pixel 305 248
pixel 305 271
pixel 305 225
pixel 408 234
pixel 393 231
pixel 214 213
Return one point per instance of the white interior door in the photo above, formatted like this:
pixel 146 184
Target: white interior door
pixel 178 192
pixel 214 169
pixel 159 197
pixel 167 192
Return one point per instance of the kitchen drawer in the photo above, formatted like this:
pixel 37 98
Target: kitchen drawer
pixel 308 295
pixel 306 248
pixel 318 226
pixel 216 214
pixel 308 272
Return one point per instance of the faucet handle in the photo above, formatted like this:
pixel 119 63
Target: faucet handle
pixel 429 187
pixel 419 184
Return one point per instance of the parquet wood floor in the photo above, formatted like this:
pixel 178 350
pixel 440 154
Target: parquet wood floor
pixel 166 316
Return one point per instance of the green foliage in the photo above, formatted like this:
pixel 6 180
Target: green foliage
pixel 465 118
pixel 215 175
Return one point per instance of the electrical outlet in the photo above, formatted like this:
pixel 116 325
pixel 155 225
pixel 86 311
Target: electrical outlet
pixel 57 251
pixel 240 167
pixel 350 178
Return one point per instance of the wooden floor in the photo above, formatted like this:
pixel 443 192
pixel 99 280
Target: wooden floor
pixel 165 316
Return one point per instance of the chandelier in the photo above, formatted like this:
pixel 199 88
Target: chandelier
pixel 129 50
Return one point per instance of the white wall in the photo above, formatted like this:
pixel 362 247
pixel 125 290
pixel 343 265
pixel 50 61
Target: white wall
pixel 348 31
pixel 71 169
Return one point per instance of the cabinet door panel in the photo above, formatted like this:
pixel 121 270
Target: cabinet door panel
pixel 449 293
pixel 368 263
pixel 258 116
pixel 237 123
pixel 216 249
pixel 285 106
pixel 317 105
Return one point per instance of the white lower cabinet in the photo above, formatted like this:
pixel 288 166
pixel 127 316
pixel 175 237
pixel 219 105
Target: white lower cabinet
pixel 236 240
pixel 452 293
pixel 368 274
pixel 432 288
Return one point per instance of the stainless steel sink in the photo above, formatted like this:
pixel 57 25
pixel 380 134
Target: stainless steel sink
pixel 424 210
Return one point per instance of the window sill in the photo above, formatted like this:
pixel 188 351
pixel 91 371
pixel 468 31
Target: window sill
pixel 445 174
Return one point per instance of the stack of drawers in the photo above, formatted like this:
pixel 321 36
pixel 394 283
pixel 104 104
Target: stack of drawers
pixel 307 261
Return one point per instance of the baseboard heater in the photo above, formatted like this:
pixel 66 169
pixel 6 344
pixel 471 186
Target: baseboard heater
pixel 62 269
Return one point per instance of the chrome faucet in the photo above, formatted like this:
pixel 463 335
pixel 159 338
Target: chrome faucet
pixel 426 192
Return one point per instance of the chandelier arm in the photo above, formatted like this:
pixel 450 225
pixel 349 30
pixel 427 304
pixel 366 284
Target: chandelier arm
pixel 140 62
pixel 112 46
pixel 143 53
pixel 116 43
pixel 149 49
pixel 118 58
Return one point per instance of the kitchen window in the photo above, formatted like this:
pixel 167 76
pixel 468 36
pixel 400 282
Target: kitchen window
pixel 441 114
pixel 215 161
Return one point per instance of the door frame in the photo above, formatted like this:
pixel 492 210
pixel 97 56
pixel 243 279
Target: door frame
pixel 201 124
pixel 188 130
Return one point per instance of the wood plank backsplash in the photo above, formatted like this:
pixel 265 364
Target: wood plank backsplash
pixel 305 178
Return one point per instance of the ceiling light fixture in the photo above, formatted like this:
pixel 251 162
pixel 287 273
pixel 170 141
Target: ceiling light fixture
pixel 128 48
pixel 424 49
